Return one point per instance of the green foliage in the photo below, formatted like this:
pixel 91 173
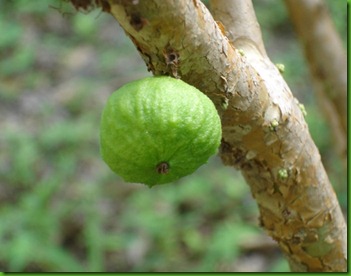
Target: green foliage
pixel 61 209
pixel 280 265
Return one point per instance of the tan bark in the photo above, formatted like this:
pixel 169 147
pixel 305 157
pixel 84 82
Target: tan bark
pixel 242 29
pixel 327 62
pixel 240 23
pixel 264 132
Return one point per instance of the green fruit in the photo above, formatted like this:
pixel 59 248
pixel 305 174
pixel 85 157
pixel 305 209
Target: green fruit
pixel 158 129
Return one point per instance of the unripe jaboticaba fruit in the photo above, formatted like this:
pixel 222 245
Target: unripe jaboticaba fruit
pixel 158 129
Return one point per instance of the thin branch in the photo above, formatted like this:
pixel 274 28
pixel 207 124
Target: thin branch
pixel 327 62
pixel 239 20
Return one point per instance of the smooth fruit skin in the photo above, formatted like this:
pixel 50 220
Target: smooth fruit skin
pixel 158 129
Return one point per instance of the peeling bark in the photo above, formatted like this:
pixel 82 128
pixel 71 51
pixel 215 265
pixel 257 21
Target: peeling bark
pixel 327 62
pixel 264 131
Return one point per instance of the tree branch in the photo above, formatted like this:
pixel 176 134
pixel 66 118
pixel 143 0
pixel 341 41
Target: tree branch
pixel 240 23
pixel 264 132
pixel 327 61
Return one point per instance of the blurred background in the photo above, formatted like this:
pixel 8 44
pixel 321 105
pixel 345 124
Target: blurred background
pixel 62 209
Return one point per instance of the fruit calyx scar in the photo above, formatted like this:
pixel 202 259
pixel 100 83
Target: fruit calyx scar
pixel 162 168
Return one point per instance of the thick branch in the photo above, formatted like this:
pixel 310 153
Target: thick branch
pixel 327 61
pixel 264 132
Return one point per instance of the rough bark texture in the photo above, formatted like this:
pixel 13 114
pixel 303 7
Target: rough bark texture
pixel 264 132
pixel 240 23
pixel 242 29
pixel 327 62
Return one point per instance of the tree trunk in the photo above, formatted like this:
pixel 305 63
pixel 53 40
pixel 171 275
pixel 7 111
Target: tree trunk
pixel 327 62
pixel 264 131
